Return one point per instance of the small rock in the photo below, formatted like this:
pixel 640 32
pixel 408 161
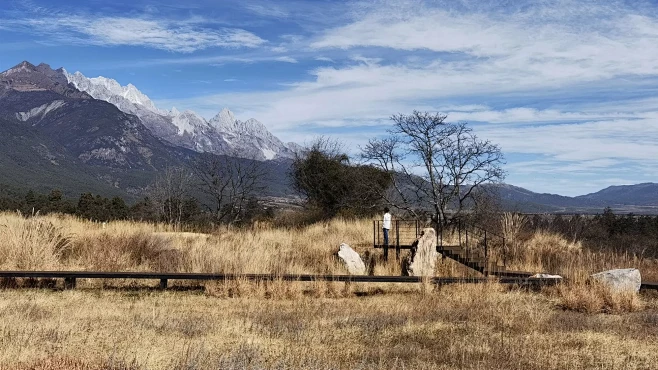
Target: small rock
pixel 422 260
pixel 620 280
pixel 546 276
pixel 351 260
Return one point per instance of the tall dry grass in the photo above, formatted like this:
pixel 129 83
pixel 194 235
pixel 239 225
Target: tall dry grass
pixel 67 243
pixel 30 244
pixel 511 226
pixel 317 325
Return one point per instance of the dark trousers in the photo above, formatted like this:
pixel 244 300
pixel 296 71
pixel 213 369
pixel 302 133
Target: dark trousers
pixel 385 236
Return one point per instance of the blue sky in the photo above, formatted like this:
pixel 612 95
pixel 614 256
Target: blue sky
pixel 566 88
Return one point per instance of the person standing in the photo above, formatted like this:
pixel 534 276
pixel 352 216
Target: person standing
pixel 386 225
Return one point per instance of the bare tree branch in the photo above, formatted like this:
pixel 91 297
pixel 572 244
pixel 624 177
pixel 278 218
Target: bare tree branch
pixel 431 161
pixel 230 182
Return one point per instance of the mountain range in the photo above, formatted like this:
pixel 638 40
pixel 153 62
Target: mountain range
pixel 64 130
pixel 223 134
pixel 56 135
pixel 638 198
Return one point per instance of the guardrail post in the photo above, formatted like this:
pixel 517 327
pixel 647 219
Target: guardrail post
pixel 69 283
pixel 466 246
pixel 386 244
pixel 459 231
pixel 163 284
pixel 486 255
pixel 397 240
pixel 439 235
pixel 504 254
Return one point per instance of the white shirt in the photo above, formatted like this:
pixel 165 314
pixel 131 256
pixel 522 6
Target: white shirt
pixel 387 221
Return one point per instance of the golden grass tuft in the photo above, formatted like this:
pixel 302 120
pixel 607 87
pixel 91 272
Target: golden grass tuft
pixel 594 297
pixel 30 243
pixel 139 250
pixel 511 226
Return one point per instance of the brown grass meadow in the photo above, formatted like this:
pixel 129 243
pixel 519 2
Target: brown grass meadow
pixel 317 325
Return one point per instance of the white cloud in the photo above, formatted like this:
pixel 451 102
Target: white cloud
pixel 435 30
pixel 286 59
pixel 590 141
pixel 324 59
pixel 267 10
pixel 524 115
pixel 175 36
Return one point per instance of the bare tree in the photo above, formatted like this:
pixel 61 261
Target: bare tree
pixel 230 182
pixel 169 191
pixel 431 161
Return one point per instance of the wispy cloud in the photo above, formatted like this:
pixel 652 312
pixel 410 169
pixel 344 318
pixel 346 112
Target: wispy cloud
pixel 286 59
pixel 211 60
pixel 324 59
pixel 172 35
pixel 267 10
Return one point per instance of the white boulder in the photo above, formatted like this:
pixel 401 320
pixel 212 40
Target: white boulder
pixel 422 260
pixel 351 260
pixel 620 280
pixel 546 276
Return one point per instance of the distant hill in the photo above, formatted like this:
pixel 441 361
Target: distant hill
pixel 640 198
pixel 645 194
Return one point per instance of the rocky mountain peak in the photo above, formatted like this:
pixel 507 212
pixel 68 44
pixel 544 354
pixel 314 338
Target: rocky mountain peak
pixel 254 126
pixel 110 90
pixel 28 77
pixel 23 66
pixel 42 67
pixel 225 119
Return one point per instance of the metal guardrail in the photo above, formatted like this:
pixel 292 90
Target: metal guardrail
pixel 401 235
pixel 70 278
pixel 474 239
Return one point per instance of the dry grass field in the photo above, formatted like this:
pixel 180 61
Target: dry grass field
pixel 282 325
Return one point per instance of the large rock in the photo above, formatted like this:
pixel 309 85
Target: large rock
pixel 620 280
pixel 351 260
pixel 422 260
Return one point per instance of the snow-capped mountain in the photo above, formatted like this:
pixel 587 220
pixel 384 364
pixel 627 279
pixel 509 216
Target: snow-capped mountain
pixel 223 134
pixel 251 136
pixel 87 131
